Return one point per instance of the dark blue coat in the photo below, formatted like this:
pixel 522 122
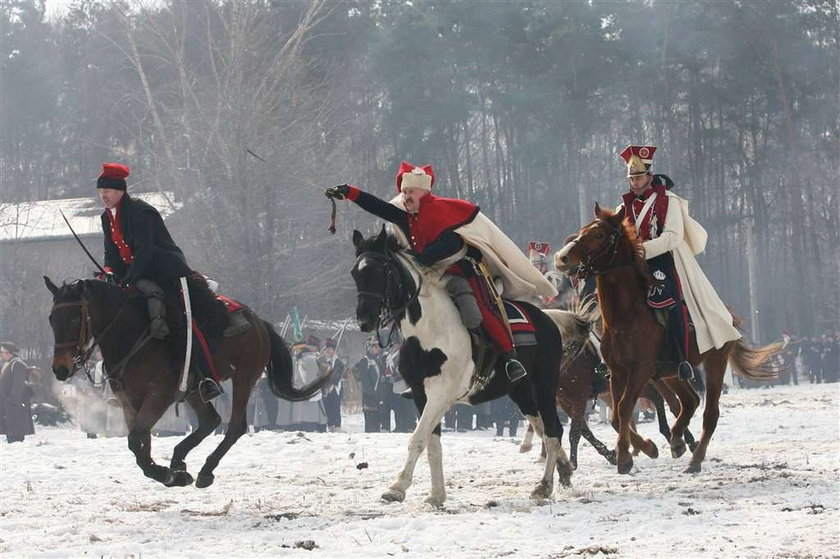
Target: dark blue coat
pixel 156 256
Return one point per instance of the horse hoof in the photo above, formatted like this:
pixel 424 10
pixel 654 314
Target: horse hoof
pixel 525 448
pixel 204 480
pixel 677 449
pixel 625 468
pixel 565 478
pixel 435 501
pixel 611 458
pixel 651 450
pixel 181 478
pixel 692 469
pixel 393 496
pixel 543 490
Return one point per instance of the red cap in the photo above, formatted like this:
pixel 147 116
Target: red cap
pixel 638 159
pixel 418 177
pixel 113 176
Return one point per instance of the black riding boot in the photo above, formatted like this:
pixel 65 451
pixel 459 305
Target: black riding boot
pixel 158 328
pixel 677 330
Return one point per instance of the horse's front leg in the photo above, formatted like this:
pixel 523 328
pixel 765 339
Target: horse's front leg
pixel 433 411
pixel 208 420
pixel 627 429
pixel 621 421
pixel 140 443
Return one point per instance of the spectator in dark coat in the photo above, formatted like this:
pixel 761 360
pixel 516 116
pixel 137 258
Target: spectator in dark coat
pixel 369 372
pixel 15 395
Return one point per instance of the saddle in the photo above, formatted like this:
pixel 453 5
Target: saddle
pixel 485 355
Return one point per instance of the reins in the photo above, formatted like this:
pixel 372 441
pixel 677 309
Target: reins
pixel 87 340
pixel 587 268
pixel 394 283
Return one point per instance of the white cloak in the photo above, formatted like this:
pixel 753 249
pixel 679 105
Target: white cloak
pixel 521 281
pixel 686 238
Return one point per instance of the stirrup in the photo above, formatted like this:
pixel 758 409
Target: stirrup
pixel 515 371
pixel 407 394
pixel 685 371
pixel 209 389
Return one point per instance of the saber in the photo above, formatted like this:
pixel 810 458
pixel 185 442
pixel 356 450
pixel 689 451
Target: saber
pixel 334 210
pixel 81 244
pixel 185 372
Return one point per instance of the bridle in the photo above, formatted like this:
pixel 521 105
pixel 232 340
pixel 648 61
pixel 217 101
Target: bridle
pixel 390 310
pixel 586 267
pixel 86 340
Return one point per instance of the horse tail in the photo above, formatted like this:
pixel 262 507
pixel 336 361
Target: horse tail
pixel 280 371
pixel 756 363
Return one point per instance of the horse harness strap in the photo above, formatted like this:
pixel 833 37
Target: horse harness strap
pixel 85 343
pixel 138 345
pixel 586 269
pixel 389 313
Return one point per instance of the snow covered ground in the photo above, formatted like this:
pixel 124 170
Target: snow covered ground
pixel 770 488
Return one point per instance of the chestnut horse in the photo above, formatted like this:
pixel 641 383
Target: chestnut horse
pixel 144 372
pixel 610 249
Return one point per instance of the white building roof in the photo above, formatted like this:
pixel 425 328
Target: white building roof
pixel 40 220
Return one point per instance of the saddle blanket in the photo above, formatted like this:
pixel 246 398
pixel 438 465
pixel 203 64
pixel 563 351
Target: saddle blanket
pixel 238 322
pixel 231 304
pixel 523 330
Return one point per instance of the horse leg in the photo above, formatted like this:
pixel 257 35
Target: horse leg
pixel 237 426
pixel 527 440
pixel 689 400
pixel 658 401
pixel 208 420
pixel 674 405
pixel 715 369
pixel 574 439
pixel 433 407
pixel 623 420
pixel 140 441
pixel 597 445
pixel 543 416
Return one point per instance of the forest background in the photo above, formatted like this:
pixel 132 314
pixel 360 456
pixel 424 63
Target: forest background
pixel 521 107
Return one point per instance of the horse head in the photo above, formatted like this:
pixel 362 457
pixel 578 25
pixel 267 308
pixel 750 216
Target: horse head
pixel 605 243
pixel 74 312
pixel 384 288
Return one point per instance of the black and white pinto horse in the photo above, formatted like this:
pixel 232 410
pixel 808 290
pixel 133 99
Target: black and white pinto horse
pixel 436 360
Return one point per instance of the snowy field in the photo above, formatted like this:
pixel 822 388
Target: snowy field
pixel 770 488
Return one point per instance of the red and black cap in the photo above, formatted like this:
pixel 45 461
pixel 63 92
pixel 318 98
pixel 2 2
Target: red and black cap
pixel 113 176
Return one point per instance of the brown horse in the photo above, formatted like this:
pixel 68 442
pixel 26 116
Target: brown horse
pixel 576 387
pixel 144 372
pixel 609 248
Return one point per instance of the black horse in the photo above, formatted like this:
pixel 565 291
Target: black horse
pixel 436 359
pixel 144 372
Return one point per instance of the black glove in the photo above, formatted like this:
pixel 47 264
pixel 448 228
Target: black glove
pixel 338 192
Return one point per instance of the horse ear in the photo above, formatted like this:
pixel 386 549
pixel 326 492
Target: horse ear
pixel 599 211
pixel 380 239
pixel 50 285
pixel 357 237
pixel 621 213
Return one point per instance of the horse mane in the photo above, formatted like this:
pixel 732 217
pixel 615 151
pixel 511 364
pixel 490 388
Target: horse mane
pixel 371 244
pixel 638 251
pixel 627 231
